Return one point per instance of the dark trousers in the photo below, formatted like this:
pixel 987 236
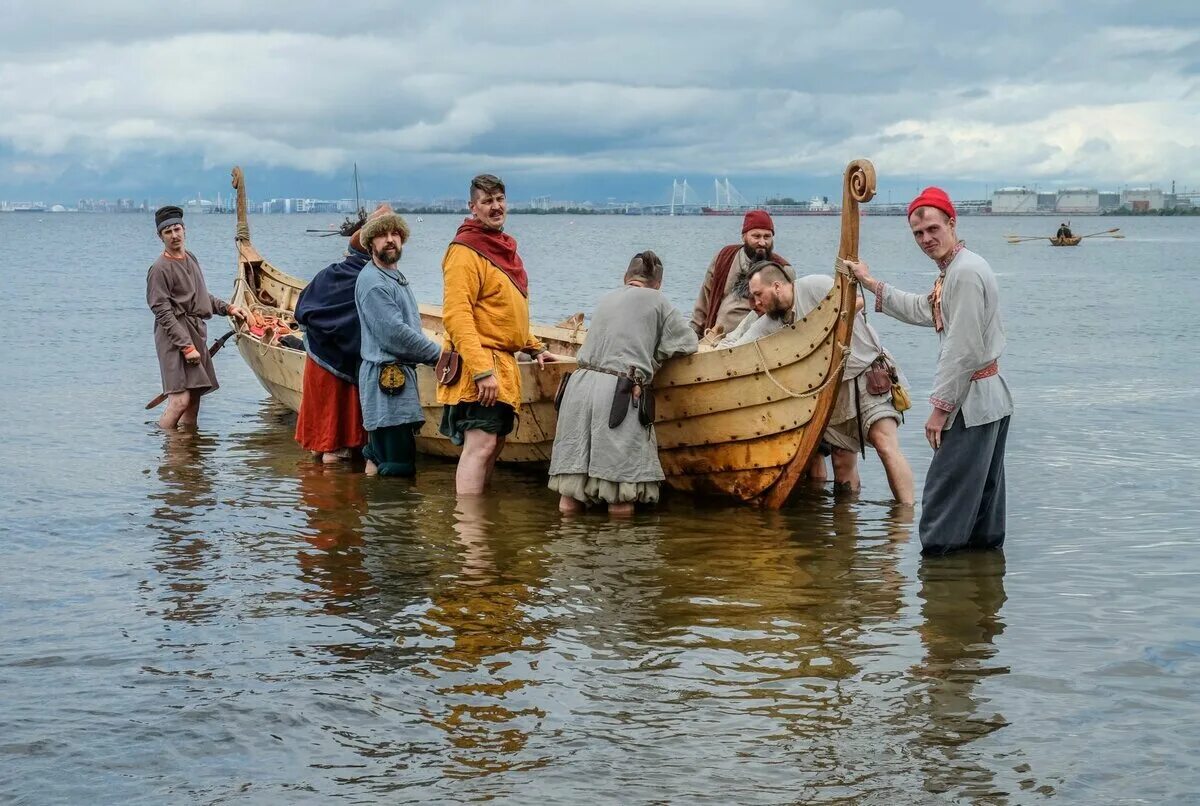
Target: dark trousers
pixel 963 502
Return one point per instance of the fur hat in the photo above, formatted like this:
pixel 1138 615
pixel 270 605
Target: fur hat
pixel 758 219
pixel 167 216
pixel 381 222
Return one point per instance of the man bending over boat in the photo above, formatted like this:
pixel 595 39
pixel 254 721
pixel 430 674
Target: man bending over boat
pixel 605 449
pixel 330 421
pixel 392 345
pixel 485 312
pixel 862 409
pixel 724 298
pixel 963 502
pixel 179 298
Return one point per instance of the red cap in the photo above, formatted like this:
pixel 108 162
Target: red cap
pixel 933 197
pixel 758 219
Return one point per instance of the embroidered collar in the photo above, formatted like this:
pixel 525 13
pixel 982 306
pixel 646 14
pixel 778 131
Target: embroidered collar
pixel 945 262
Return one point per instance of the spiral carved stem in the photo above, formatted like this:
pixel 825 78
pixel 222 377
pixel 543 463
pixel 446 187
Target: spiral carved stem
pixel 858 187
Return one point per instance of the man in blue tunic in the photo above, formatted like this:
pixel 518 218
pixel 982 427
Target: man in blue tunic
pixel 392 345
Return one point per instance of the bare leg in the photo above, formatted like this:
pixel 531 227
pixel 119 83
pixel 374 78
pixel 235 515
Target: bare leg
pixel 845 469
pixel 885 437
pixel 192 414
pixel 492 462
pixel 177 406
pixel 372 468
pixel 476 462
pixel 569 506
pixel 624 510
pixel 816 470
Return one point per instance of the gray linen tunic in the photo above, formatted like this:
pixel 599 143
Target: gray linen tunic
pixel 391 332
pixel 972 338
pixel 179 298
pixel 632 327
pixel 865 346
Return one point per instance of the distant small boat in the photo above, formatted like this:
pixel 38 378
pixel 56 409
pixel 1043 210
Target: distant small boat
pixel 1072 241
pixel 419 219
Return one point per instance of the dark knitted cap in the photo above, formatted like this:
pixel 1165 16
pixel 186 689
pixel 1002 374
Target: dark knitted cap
pixel 167 216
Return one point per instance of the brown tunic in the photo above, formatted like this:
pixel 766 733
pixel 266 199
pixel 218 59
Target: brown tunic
pixel 176 293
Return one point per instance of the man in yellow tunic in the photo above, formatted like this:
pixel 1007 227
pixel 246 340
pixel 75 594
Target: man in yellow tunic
pixel 485 312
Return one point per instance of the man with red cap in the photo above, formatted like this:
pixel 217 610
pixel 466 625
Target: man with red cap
pixel 963 501
pixel 724 298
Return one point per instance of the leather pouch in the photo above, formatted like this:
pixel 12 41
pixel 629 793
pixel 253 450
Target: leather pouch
pixel 878 377
pixel 622 401
pixel 448 368
pixel 646 407
pixel 391 379
pixel 562 390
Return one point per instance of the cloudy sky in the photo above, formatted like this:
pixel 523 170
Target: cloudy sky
pixel 593 100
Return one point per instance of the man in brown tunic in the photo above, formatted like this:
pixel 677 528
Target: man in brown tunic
pixel 724 299
pixel 176 293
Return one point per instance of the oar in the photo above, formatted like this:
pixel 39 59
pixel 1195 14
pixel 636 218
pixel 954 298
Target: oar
pixel 213 349
pixel 1107 232
pixel 1021 238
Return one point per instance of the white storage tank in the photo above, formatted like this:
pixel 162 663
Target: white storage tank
pixel 1014 201
pixel 1142 199
pixel 1078 200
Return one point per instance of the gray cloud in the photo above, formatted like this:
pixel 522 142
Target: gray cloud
pixel 1001 91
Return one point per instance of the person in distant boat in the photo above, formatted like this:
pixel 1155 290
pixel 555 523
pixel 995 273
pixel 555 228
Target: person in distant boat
pixel 392 344
pixel 724 298
pixel 859 411
pixel 605 450
pixel 179 298
pixel 330 421
pixel 964 498
pixel 485 313
pixel 1063 231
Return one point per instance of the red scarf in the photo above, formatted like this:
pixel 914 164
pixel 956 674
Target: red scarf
pixel 497 247
pixel 723 264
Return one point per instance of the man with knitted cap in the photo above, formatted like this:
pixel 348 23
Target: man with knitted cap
pixel 724 298
pixel 963 502
pixel 179 298
pixel 392 344
pixel 330 421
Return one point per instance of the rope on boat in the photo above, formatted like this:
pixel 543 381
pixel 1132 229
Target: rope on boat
pixel 811 392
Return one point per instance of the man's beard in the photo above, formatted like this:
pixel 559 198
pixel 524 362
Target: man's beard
pixel 389 254
pixel 756 254
pixel 776 309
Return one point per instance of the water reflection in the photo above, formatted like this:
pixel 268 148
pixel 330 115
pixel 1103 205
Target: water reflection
pixel 961 599
pixel 185 550
pixel 334 506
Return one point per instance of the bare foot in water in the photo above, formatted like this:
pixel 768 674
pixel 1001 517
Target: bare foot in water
pixel 569 506
pixel 372 468
pixel 621 510
pixel 333 457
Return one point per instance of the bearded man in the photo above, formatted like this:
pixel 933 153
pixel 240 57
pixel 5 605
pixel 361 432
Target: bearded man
pixel 963 504
pixel 857 413
pixel 724 298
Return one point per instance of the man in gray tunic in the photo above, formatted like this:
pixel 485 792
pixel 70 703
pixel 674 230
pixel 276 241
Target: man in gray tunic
pixel 179 298
pixel 963 502
pixel 392 345
pixel 605 448
pixel 856 410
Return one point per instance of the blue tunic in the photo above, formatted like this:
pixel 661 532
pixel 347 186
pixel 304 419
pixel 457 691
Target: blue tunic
pixel 391 332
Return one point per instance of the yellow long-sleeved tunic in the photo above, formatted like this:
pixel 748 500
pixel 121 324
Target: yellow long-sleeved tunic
pixel 487 321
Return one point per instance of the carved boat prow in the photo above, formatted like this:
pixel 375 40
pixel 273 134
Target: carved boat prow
pixel 746 421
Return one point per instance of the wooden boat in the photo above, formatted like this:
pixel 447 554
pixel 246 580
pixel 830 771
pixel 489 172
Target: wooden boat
pixel 262 287
pixel 1072 241
pixel 742 422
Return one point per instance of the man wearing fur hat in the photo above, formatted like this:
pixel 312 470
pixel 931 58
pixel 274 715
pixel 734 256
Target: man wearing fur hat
pixel 963 501
pixel 330 421
pixel 724 298
pixel 485 311
pixel 392 344
pixel 179 298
